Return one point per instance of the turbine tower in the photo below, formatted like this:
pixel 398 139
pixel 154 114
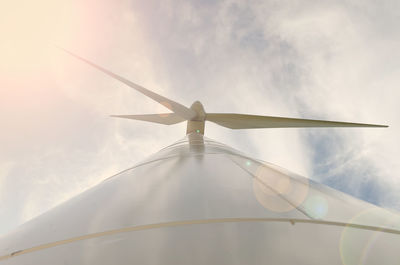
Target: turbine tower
pixel 198 201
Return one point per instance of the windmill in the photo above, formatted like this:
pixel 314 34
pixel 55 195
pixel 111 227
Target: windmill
pixel 198 201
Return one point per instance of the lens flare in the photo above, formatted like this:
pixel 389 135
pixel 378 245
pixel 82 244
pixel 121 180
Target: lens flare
pixel 316 206
pixel 278 191
pixel 362 247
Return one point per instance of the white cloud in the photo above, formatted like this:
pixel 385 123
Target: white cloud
pixel 335 60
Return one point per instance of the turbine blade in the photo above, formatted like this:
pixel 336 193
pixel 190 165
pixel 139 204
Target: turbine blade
pixel 163 118
pixel 244 121
pixel 176 107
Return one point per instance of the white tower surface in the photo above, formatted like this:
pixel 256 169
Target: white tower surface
pixel 201 202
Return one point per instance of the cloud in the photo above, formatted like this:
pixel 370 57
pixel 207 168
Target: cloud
pixel 335 60
pixel 347 52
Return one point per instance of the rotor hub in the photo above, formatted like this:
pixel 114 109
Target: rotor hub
pixel 197 124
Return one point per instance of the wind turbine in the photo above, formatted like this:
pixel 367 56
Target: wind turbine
pixel 198 201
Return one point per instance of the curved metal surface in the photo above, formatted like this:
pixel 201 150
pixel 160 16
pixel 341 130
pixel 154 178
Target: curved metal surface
pixel 199 201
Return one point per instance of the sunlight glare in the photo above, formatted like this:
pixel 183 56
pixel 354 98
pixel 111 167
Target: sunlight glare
pixel 29 30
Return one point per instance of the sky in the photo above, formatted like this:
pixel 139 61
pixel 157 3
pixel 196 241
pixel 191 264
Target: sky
pixel 335 60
